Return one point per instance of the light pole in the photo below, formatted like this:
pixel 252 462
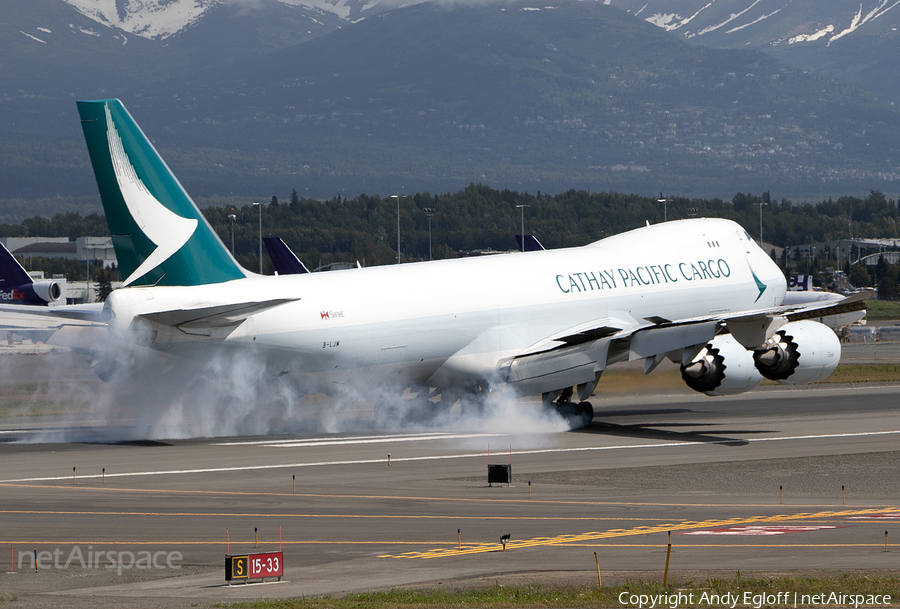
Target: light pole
pixel 761 204
pixel 232 217
pixel 429 211
pixel 397 196
pixel 256 204
pixel 665 202
pixel 522 207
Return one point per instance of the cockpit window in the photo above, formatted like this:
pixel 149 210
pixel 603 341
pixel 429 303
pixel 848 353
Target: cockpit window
pixel 746 234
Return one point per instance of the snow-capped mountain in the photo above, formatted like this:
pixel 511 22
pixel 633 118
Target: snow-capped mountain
pixel 717 22
pixel 146 18
pixel 853 41
pixel 159 19
pixel 52 45
pixel 767 22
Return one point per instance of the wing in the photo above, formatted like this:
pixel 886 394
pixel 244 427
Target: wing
pixel 577 355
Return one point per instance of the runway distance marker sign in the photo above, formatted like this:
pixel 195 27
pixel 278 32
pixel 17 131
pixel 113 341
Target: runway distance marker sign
pixel 245 567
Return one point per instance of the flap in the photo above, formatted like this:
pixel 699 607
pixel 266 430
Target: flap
pixel 658 341
pixel 586 332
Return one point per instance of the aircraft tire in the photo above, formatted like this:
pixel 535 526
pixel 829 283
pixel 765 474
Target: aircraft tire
pixel 577 415
pixel 585 412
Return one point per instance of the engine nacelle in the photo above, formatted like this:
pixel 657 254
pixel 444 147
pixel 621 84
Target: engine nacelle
pixel 723 367
pixel 48 291
pixel 800 352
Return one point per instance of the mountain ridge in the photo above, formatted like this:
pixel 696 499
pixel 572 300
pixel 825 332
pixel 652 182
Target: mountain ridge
pixel 431 98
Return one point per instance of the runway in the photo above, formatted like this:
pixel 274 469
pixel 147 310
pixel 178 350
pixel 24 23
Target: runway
pixel 750 483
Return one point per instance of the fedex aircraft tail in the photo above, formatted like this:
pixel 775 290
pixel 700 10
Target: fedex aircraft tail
pixel 159 234
pixel 17 286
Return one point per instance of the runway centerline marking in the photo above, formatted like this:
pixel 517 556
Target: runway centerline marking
pixel 478 455
pixel 287 515
pixel 642 530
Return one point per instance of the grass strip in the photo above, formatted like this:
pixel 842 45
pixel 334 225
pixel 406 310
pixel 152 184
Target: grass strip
pixel 882 310
pixel 864 373
pixel 761 592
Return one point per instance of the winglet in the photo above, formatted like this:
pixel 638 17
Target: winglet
pixel 159 234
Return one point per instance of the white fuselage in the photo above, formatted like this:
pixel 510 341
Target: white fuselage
pixel 455 320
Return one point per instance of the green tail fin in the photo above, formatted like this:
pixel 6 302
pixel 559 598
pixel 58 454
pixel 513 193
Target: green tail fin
pixel 160 236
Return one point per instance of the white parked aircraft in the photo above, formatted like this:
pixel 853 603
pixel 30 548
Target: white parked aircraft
pixel 699 292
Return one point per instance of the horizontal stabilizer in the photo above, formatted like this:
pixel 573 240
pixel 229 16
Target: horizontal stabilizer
pixel 219 316
pixel 30 317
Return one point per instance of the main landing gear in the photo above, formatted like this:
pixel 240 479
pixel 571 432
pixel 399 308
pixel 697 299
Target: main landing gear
pixel 577 414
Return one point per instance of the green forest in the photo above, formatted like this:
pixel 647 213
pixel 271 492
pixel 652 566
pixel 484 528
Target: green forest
pixel 364 228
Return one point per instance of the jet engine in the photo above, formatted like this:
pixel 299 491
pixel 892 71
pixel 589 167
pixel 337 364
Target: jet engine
pixel 48 291
pixel 800 352
pixel 723 367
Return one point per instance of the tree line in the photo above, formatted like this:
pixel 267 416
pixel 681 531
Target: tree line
pixel 364 228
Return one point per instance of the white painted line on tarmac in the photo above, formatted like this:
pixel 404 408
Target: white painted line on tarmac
pixel 262 442
pixel 285 443
pixel 480 455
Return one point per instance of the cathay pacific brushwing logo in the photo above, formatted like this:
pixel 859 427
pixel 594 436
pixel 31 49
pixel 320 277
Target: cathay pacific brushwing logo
pixel 166 229
pixel 759 285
